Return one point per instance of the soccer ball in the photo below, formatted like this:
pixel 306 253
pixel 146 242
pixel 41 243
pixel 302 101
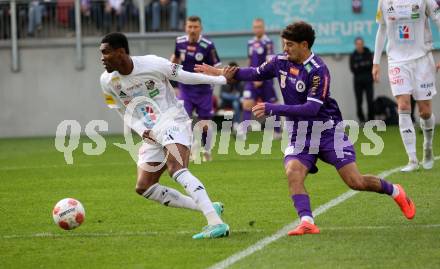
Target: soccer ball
pixel 68 213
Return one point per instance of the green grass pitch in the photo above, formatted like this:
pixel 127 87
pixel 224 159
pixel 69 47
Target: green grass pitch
pixel 123 230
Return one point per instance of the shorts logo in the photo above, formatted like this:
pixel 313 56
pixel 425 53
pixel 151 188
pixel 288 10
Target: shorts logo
pixel 199 56
pixel 396 81
pixel 394 71
pixel 300 86
pixel 427 85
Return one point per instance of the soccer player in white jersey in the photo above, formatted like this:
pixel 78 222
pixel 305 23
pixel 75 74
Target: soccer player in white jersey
pixel 167 135
pixel 411 67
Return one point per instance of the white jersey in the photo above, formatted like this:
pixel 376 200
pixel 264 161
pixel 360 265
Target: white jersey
pixel 150 78
pixel 407 27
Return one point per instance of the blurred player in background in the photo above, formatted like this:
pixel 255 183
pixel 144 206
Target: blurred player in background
pixel 192 49
pixel 411 68
pixel 260 49
pixel 305 84
pixel 166 129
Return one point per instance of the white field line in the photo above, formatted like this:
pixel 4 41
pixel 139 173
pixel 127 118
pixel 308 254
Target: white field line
pixel 283 231
pixel 110 234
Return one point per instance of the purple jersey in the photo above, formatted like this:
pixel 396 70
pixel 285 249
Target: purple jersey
pixel 299 83
pixel 259 50
pixel 190 54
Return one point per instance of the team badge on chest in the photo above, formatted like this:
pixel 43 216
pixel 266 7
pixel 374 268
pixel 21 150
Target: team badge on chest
pixel 300 86
pixel 199 56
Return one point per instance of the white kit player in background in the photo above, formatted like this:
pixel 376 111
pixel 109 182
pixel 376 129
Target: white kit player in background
pixel 411 67
pixel 162 122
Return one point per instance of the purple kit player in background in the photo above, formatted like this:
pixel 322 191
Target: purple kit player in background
pixel 192 49
pixel 260 49
pixel 304 80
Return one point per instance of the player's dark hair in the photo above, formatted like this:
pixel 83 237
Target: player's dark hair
pixel 298 32
pixel 116 41
pixel 358 39
pixel 232 64
pixel 194 19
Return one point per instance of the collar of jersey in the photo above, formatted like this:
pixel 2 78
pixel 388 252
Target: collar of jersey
pixel 308 59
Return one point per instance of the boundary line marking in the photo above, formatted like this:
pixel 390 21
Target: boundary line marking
pixel 283 231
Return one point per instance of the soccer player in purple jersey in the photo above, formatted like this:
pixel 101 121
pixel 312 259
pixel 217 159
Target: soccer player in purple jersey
pixel 260 49
pixel 304 80
pixel 192 49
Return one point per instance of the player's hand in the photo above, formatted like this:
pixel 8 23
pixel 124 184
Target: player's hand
pixel 229 73
pixel 207 70
pixel 259 110
pixel 437 66
pixel 376 72
pixel 147 136
pixel 258 84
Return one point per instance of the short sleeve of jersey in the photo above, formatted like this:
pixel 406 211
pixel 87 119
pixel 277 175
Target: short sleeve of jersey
pixel 318 85
pixel 268 69
pixel 213 58
pixel 110 98
pixel 433 9
pixel 379 13
pixel 165 67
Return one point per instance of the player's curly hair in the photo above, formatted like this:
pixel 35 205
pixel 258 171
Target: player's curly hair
pixel 298 32
pixel 116 41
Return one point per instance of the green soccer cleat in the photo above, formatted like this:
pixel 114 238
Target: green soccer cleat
pixel 213 231
pixel 219 208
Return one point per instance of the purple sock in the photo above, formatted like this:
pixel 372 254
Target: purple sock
pixel 387 187
pixel 302 205
pixel 247 115
pixel 277 129
pixel 204 135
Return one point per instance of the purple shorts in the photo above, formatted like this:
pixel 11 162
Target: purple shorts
pixel 266 92
pixel 337 154
pixel 202 103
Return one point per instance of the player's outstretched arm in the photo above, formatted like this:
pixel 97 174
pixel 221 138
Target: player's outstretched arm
pixel 185 77
pixel 309 109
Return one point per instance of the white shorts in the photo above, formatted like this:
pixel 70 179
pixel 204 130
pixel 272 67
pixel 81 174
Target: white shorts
pixel 416 78
pixel 166 132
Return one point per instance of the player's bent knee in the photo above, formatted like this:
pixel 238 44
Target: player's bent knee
pixel 295 175
pixel 425 115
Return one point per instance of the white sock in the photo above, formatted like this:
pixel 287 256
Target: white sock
pixel 428 131
pixel 395 191
pixel 169 197
pixel 408 135
pixel 197 191
pixel 308 219
pixel 208 143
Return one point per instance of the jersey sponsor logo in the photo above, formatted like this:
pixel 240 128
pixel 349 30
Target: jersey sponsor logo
pixel 283 81
pixel 300 86
pixel 203 45
pixel 294 71
pixel 175 69
pixel 415 16
pixel 316 80
pixel 191 48
pixel 150 85
pixel 109 99
pixel 199 56
pixel 405 32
